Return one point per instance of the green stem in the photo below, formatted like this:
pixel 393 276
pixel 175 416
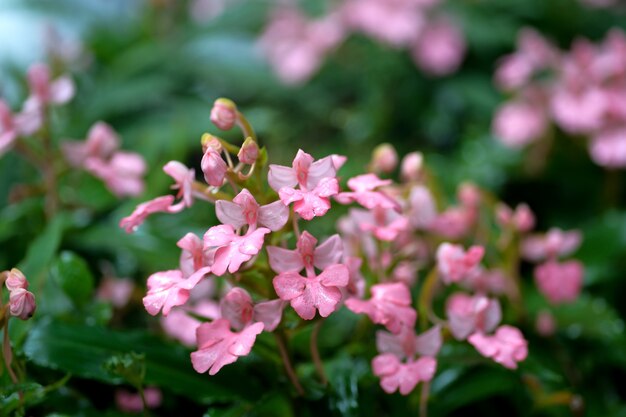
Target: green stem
pixel 426 297
pixel 282 348
pixel 245 127
pixel 315 354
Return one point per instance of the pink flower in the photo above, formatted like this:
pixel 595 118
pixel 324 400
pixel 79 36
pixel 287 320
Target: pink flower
pixel 396 22
pixel 315 292
pixel 384 159
pixel 184 178
pixel 167 289
pixel 193 255
pixel 390 306
pixel 128 402
pixel 545 323
pixel 115 290
pixel 383 224
pixel 363 187
pixel 213 167
pixel 316 181
pixel 440 48
pixel 296 46
pixel 238 308
pixel 578 112
pixel 244 210
pixel 608 148
pixel 560 282
pixel 122 174
pixel 224 114
pixel 356 283
pixel 516 124
pixel 455 264
pixel 522 220
pixel 22 303
pixel 8 130
pixel 219 346
pixel 158 205
pixel 422 210
pixel 306 255
pixel 180 325
pixel 395 374
pixel 506 347
pixel 102 142
pixel 44 91
pixel 453 223
pixel 468 314
pixel 550 245
pixel 411 166
pixel 488 281
pixel 231 250
pixel 15 280
pixel 404 377
pixel 249 152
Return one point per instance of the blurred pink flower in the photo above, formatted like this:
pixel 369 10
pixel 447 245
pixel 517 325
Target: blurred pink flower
pixel 363 192
pixel 142 211
pixel 390 305
pixel 102 141
pixel 545 323
pixel 422 210
pixel 560 282
pixel 8 130
pixel 219 346
pixel 44 91
pixel 506 347
pixel 314 292
pixel 244 210
pixel 384 224
pixel 316 181
pixel 578 112
pixel 115 290
pixel 167 289
pixel 384 159
pixel 608 148
pixel 456 264
pixel 469 314
pixel 552 244
pixel 522 219
pixel 411 166
pixel 516 124
pixel 440 48
pixel 182 326
pixel 128 402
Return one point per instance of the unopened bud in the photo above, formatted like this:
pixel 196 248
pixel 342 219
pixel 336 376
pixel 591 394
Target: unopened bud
pixel 384 158
pixel 504 215
pixel 210 141
pixel 224 113
pixel 469 195
pixel 22 303
pixel 524 218
pixel 411 166
pixel 16 280
pixel 249 152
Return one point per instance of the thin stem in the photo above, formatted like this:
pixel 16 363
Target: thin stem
pixel 315 354
pixel 142 394
pixel 245 127
pixel 287 362
pixel 294 224
pixel 424 399
pixel 425 301
pixel 7 354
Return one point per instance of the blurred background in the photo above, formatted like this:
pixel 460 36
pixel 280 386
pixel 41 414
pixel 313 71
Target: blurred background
pixel 327 77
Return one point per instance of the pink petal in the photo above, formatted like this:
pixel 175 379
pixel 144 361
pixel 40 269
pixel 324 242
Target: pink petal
pixel 283 260
pixel 62 90
pixel 237 307
pixel 329 252
pixel 281 177
pixel 289 285
pixel 230 213
pixel 269 313
pixel 273 216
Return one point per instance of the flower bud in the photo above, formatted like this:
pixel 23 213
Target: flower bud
pixel 22 303
pixel 504 214
pixel 224 114
pixel 213 167
pixel 524 218
pixel 469 195
pixel 384 158
pixel 210 141
pixel 249 152
pixel 15 280
pixel 545 324
pixel 411 166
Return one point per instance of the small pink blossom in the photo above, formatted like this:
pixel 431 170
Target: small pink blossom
pixel 404 377
pixel 522 219
pixel 422 209
pixel 440 48
pixel 231 250
pixel 455 264
pixel 22 303
pixel 383 224
pixel 224 114
pixel 608 148
pixel 15 279
pixel 453 223
pixel 517 124
pixel 390 306
pixel 115 290
pixel 411 166
pixel 468 314
pixel 407 344
pixel 101 143
pixel 122 174
pixel 316 181
pixel 184 178
pixel 158 205
pixel 578 112
pixel 239 309
pixel 193 255
pixel 128 402
pixel 488 281
pixel 307 254
pixel 249 152
pixel 180 325
pixel 560 282
pixel 545 323
pixel 363 187
pixel 315 292
pixel 167 289
pixel 245 210
pixel 44 91
pixel 553 244
pixel 219 346
pixel 213 167
pixel 506 347
pixel 384 159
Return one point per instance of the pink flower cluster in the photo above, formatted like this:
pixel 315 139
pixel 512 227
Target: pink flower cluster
pixel 296 45
pixel 231 286
pixel 581 91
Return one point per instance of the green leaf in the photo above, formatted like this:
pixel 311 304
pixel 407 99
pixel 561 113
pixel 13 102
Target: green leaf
pixel 83 351
pixel 73 276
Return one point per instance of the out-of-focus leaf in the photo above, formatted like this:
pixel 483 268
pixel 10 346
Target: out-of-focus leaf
pixel 72 274
pixel 83 350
